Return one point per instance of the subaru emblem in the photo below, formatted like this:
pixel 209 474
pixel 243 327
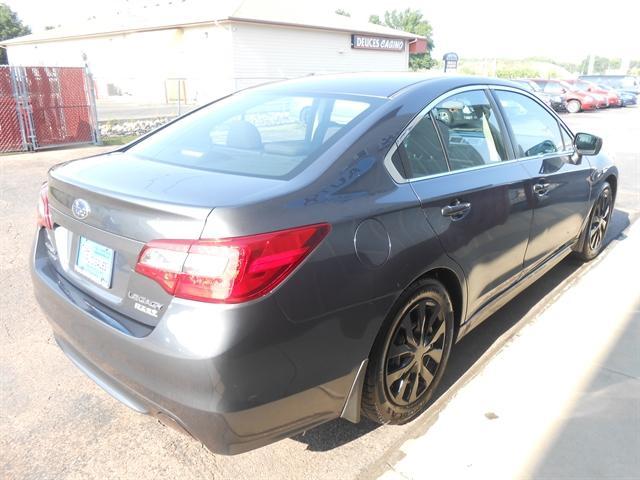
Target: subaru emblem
pixel 80 208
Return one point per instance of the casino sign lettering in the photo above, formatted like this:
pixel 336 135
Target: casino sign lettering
pixel 377 43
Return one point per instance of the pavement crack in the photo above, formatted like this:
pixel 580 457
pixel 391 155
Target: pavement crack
pixel 611 370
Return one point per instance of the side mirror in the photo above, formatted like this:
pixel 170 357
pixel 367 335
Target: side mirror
pixel 587 144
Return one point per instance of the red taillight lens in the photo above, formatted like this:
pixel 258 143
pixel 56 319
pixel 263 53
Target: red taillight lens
pixel 230 270
pixel 44 215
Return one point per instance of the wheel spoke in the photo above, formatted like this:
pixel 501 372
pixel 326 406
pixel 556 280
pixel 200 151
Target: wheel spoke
pixel 593 237
pixel 396 375
pixel 403 389
pixel 426 375
pixel 435 354
pixel 414 389
pixel 401 350
pixel 407 326
pixel 435 313
pixel 421 310
pixel 438 333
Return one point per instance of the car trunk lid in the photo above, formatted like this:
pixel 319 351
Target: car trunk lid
pixel 125 202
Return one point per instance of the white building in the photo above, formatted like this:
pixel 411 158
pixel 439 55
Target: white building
pixel 203 49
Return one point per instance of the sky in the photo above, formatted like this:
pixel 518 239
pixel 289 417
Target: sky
pixel 566 30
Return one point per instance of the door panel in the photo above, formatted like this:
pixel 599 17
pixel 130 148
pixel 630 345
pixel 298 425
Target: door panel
pixel 560 209
pixel 559 189
pixel 478 208
pixel 490 239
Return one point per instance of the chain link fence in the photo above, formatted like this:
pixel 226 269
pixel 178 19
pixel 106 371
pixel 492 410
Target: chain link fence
pixel 44 107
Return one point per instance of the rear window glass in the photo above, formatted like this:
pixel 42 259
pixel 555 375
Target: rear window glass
pixel 256 134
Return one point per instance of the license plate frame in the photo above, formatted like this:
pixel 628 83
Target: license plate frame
pixel 95 262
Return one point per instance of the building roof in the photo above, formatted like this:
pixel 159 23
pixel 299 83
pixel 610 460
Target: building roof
pixel 204 12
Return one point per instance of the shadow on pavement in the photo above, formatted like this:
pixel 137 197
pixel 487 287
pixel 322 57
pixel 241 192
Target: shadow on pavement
pixel 608 405
pixel 467 352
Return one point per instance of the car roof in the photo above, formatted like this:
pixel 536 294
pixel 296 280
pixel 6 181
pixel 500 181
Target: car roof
pixel 374 84
pixel 604 76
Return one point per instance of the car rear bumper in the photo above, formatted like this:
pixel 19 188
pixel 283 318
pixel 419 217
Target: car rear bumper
pixel 202 388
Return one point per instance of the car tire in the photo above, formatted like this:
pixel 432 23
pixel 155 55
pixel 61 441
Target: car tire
pixel 595 231
pixel 574 106
pixel 409 355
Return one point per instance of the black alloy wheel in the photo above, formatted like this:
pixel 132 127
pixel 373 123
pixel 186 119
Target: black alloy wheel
pixel 410 354
pixel 595 230
pixel 600 220
pixel 415 353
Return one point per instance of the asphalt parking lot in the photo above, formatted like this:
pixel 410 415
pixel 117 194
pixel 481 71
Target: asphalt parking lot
pixel 56 424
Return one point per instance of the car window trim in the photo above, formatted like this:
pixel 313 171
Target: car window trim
pixel 504 125
pixel 397 176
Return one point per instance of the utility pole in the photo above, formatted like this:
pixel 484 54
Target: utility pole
pixel 591 64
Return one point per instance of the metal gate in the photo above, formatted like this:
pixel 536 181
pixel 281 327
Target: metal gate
pixel 44 107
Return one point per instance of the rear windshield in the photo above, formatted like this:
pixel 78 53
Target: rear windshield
pixel 256 133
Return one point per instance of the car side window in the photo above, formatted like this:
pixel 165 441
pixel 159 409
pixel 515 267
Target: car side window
pixel 535 130
pixel 552 87
pixel 422 150
pixel 470 131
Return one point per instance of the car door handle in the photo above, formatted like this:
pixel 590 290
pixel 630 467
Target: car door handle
pixel 541 189
pixel 456 210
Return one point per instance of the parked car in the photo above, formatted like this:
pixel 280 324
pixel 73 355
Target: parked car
pixel 244 274
pixel 576 100
pixel 556 102
pixel 626 98
pixel 612 99
pixel 625 83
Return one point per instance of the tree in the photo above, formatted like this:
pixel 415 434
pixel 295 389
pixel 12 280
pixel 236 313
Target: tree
pixel 10 27
pixel 600 65
pixel 342 12
pixel 410 21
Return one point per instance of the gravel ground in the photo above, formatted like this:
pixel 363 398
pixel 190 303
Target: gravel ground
pixel 56 424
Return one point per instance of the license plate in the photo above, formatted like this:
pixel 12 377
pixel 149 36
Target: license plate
pixel 95 262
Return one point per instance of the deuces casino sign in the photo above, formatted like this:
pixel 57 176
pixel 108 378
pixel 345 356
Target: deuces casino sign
pixel 377 43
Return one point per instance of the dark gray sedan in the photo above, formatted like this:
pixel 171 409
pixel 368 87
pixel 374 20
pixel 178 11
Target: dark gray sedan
pixel 310 249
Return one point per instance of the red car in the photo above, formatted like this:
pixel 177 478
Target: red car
pixel 575 99
pixel 613 99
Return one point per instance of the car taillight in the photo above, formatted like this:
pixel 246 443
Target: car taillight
pixel 44 215
pixel 230 270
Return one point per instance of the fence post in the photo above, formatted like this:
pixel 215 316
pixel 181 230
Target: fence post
pixel 22 86
pixel 19 110
pixel 89 86
pixel 179 94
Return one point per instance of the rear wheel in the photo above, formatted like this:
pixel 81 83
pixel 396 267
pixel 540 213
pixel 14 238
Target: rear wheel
pixel 410 355
pixel 596 229
pixel 574 106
